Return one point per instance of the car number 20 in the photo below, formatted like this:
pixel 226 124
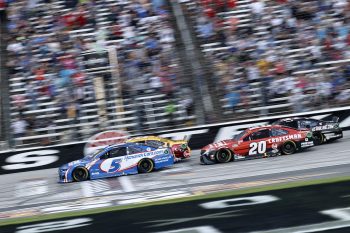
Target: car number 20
pixel 257 148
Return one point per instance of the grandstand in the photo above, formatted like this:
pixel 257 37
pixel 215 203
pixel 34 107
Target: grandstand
pixel 256 38
pixel 117 69
pixel 79 68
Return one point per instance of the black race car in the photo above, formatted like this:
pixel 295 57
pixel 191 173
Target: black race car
pixel 323 131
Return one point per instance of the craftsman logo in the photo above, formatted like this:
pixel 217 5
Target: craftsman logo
pixel 104 139
pixel 285 138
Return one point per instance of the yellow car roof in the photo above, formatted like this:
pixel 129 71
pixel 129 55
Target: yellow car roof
pixel 156 138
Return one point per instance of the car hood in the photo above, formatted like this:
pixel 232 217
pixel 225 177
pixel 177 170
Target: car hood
pixel 80 162
pixel 220 144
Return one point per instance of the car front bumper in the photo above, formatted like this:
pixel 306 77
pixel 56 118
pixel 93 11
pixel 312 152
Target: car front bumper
pixel 63 176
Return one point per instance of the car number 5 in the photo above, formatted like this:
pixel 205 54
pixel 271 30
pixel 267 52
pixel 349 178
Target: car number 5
pixel 257 148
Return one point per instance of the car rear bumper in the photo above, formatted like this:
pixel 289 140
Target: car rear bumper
pixel 333 135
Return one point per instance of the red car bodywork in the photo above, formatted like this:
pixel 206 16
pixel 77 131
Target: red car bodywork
pixel 258 141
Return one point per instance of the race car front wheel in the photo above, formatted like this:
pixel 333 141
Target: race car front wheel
pixel 223 156
pixel 145 166
pixel 318 138
pixel 80 174
pixel 288 148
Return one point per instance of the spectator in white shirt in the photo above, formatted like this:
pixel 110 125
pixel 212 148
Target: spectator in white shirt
pixel 19 127
pixel 257 7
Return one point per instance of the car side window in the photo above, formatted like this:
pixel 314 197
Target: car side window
pixel 104 156
pixel 278 132
pixel 307 123
pixel 292 124
pixel 265 133
pixel 141 142
pixel 246 138
pixel 154 143
pixel 134 150
pixel 117 152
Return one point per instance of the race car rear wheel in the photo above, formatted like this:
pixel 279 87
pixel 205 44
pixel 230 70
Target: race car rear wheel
pixel 318 138
pixel 145 166
pixel 289 148
pixel 223 156
pixel 80 174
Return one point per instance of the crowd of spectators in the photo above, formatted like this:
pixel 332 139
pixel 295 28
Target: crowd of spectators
pixel 45 54
pixel 268 45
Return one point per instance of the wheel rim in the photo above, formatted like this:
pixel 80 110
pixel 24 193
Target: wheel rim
pixel 288 148
pixel 80 174
pixel 145 165
pixel 223 156
pixel 318 138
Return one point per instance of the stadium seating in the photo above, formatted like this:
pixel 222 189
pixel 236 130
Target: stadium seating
pixel 49 119
pixel 291 46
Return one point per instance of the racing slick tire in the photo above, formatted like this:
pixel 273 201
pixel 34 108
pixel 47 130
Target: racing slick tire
pixel 318 138
pixel 223 156
pixel 80 174
pixel 145 166
pixel 288 148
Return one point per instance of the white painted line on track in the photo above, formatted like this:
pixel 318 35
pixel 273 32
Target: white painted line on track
pixel 260 172
pixel 86 189
pixel 126 184
pixel 343 151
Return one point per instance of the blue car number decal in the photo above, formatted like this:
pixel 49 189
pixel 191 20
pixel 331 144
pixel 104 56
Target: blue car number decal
pixel 110 165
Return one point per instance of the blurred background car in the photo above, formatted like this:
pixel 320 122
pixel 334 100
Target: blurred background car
pixel 323 131
pixel 179 148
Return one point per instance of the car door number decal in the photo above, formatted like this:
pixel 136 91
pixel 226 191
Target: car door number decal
pixel 110 165
pixel 257 148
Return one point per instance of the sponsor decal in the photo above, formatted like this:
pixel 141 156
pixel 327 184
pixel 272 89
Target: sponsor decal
pixel 104 139
pixel 323 127
pixel 330 136
pixel 145 154
pixel 285 138
pixel 31 159
pixel 306 144
pixel 274 146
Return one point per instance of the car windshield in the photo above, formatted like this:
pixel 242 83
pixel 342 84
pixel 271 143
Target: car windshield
pixel 238 136
pixel 94 154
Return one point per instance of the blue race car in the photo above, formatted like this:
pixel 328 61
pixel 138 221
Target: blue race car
pixel 116 160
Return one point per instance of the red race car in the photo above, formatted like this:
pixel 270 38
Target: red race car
pixel 261 141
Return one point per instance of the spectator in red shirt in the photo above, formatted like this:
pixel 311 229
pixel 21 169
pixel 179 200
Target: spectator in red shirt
pixel 231 4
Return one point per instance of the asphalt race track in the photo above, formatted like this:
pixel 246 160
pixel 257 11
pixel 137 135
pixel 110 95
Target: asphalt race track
pixel 30 193
pixel 322 208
